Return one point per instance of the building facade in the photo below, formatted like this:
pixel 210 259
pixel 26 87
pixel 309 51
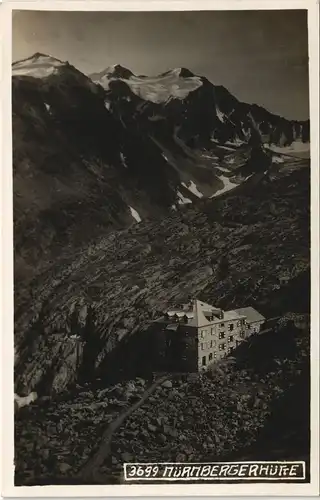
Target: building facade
pixel 197 334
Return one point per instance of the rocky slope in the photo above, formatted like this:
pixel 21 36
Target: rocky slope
pixel 90 163
pixel 243 410
pixel 71 181
pixel 125 204
pixel 94 301
pixel 83 154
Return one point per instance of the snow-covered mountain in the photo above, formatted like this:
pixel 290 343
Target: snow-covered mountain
pixel 174 84
pixel 203 112
pixel 92 157
pixel 124 202
pixel 37 66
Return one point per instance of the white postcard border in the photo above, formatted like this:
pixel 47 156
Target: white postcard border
pixel 258 489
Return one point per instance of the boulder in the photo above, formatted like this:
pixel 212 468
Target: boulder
pixel 170 431
pixel 152 428
pixel 131 433
pixel 131 387
pixel 117 391
pixel 64 468
pixel 180 394
pixel 167 384
pixel 182 437
pixel 103 393
pixel 140 381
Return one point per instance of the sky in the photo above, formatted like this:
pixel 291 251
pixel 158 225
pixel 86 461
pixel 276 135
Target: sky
pixel 259 56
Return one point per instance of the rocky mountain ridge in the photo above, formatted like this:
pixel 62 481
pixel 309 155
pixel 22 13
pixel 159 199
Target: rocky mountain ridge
pixel 82 154
pixel 89 313
pixel 90 163
pixel 204 112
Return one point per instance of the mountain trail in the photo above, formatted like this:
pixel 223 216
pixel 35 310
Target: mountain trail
pixel 90 470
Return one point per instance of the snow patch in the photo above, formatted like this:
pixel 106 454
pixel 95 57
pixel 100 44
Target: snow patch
pixel 48 108
pixel 246 133
pixel 158 89
pixel 104 82
pixel 235 142
pixel 107 105
pixel 297 148
pixel 21 401
pixel 226 146
pixel 123 160
pixel 182 200
pixel 248 177
pixel 277 159
pixel 193 189
pixel 164 156
pixel 135 214
pixel 38 66
pixel 209 157
pixel 228 185
pixel 224 169
pixel 220 115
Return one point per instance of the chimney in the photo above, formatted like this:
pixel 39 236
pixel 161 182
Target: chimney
pixel 221 314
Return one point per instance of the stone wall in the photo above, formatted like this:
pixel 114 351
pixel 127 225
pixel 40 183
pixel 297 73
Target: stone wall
pixel 217 341
pixel 177 349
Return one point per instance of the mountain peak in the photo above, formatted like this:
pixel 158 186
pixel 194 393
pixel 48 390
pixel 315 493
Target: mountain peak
pixel 175 83
pixel 38 57
pixel 113 71
pixel 180 72
pixel 118 71
pixel 38 65
pixel 186 73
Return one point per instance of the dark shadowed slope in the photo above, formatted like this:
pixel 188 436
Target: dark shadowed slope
pixel 116 286
pixel 87 161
